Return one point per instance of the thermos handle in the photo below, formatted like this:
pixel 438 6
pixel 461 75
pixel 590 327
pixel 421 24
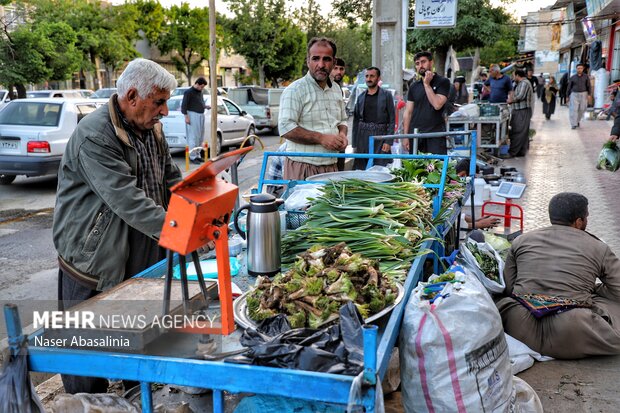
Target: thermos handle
pixel 236 222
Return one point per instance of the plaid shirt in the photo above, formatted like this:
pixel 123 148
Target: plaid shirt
pixel 522 96
pixel 150 176
pixel 305 104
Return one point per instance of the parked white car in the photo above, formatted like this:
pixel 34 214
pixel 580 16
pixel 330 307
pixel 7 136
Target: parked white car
pixel 233 124
pixel 69 93
pixel 34 134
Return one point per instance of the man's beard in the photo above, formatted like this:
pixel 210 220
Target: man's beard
pixel 422 72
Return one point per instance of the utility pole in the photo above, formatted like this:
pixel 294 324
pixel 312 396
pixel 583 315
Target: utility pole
pixel 390 19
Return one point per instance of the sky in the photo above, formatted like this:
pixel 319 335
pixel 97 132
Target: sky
pixel 519 8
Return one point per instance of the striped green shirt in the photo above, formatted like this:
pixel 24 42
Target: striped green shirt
pixel 304 104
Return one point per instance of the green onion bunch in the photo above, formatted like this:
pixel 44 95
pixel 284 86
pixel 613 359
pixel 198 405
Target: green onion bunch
pixel 385 222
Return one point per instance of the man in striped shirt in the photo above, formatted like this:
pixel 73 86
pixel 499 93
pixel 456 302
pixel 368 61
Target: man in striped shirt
pixel 312 115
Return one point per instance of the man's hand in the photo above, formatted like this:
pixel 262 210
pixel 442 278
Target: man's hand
pixel 386 148
pixel 613 138
pixel 334 142
pixel 428 77
pixel 406 145
pixel 187 120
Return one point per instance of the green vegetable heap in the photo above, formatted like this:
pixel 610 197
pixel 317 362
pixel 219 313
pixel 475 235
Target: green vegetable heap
pixel 321 280
pixel 428 171
pixel 383 222
pixel 487 262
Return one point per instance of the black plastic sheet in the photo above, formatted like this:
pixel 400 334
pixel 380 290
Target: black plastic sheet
pixel 337 349
pixel 17 394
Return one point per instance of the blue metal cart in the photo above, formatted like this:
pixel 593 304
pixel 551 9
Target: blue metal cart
pixel 234 378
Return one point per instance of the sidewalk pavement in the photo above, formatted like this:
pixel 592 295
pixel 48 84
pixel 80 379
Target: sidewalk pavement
pixel 559 160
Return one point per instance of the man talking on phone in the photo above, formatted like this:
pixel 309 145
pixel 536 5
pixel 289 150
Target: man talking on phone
pixel 425 101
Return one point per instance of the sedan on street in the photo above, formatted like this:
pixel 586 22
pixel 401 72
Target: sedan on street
pixel 233 124
pixel 34 134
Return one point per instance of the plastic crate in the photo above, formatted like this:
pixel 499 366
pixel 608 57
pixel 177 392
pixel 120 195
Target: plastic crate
pixel 295 219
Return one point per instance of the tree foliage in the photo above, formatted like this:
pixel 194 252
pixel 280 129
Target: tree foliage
pixel 479 24
pixel 503 48
pixel 186 36
pixel 35 53
pixel 259 33
pixel 354 47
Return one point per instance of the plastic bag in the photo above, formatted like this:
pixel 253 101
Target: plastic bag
pixel 299 198
pixel 609 158
pixel 354 404
pixel 521 356
pixel 497 242
pixel 527 399
pixel 337 349
pixel 17 394
pixel 470 264
pixel 454 355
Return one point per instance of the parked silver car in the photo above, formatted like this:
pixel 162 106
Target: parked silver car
pixel 34 134
pixel 233 124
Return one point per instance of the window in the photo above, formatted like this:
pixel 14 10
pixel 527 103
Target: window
pixel 232 108
pixel 174 104
pixel 31 113
pixel 221 110
pixel 83 110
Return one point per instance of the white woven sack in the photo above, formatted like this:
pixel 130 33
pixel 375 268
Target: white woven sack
pixel 454 356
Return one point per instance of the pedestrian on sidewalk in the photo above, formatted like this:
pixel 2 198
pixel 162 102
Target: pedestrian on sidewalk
pixel 426 99
pixel 373 116
pixel 578 91
pixel 193 107
pixel 563 88
pixel 553 300
pixel 113 191
pixel 548 96
pixel 521 116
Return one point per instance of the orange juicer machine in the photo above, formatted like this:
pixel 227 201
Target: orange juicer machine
pixel 199 211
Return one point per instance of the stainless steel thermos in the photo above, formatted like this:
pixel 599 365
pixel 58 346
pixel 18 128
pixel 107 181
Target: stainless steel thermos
pixel 262 234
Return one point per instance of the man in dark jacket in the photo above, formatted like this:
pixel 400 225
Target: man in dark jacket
pixel 193 107
pixel 113 191
pixel 373 115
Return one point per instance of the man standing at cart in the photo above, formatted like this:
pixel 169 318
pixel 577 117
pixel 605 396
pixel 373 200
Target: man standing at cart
pixel 499 85
pixel 578 91
pixel 312 114
pixel 337 75
pixel 113 191
pixel 426 99
pixel 373 116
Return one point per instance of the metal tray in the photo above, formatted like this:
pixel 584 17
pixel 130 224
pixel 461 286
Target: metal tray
pixel 244 321
pixel 370 176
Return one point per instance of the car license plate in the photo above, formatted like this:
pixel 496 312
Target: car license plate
pixel 173 140
pixel 9 144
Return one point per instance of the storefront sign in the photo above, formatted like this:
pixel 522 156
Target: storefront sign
pixel 434 14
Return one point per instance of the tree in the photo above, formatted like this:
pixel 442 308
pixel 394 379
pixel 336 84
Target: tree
pixel 291 56
pixel 97 26
pixel 479 24
pixel 258 32
pixel 186 37
pixel 354 11
pixel 504 47
pixel 354 47
pixel 35 53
